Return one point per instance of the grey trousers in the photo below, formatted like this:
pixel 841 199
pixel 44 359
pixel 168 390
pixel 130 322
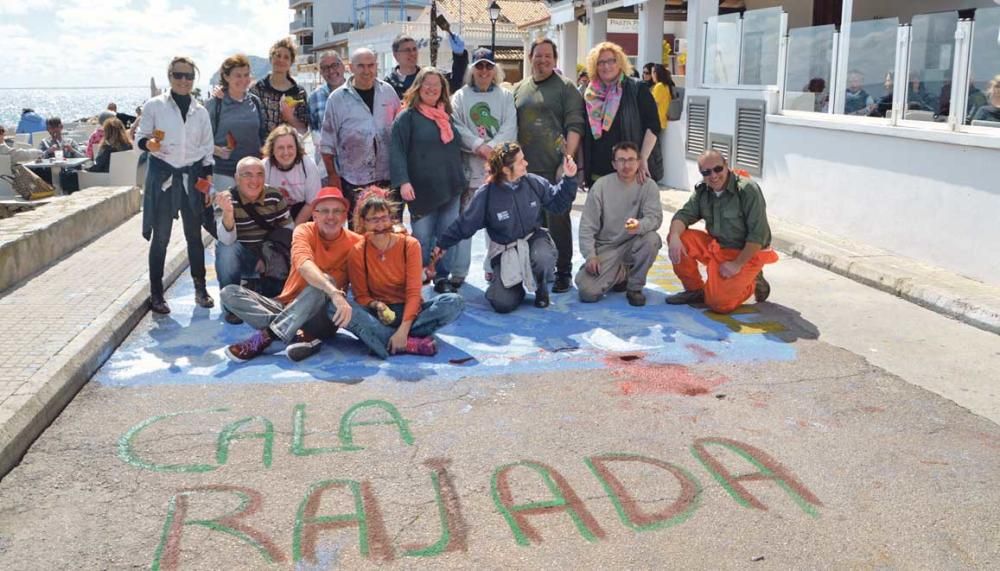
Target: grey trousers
pixel 631 259
pixel 542 252
pixel 308 312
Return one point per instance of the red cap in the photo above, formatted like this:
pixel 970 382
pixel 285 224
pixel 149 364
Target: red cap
pixel 330 192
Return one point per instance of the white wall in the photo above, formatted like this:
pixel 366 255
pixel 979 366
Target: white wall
pixel 922 199
pixel 722 106
pixel 905 9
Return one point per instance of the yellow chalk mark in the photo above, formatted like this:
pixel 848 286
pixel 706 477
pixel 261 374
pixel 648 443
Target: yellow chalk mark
pixel 745 327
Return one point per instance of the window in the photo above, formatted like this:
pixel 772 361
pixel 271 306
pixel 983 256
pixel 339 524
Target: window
pixel 722 50
pixel 871 60
pixel 759 47
pixel 931 61
pixel 983 101
pixel 809 71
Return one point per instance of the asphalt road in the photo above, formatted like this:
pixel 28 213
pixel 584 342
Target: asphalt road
pixel 832 427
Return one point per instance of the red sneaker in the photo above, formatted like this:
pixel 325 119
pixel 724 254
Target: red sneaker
pixel 421 346
pixel 250 347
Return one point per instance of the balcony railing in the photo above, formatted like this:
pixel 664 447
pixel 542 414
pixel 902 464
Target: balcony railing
pixel 300 25
pixel 297 3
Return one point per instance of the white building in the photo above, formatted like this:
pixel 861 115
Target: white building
pixel 767 83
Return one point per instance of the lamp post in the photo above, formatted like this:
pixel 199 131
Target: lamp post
pixel 494 10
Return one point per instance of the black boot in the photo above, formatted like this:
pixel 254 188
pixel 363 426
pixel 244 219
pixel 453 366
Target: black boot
pixel 201 296
pixel 542 293
pixel 158 305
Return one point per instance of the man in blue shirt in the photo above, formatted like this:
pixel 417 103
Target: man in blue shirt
pixel 30 122
pixel 331 67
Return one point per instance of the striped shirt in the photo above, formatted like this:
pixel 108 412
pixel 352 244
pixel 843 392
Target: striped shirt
pixel 270 206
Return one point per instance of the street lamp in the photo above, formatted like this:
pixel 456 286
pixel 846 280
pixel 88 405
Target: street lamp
pixel 494 16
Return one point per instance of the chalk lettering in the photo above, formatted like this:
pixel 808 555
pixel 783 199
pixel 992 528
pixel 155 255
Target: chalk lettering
pixel 627 506
pixel 128 455
pixel 230 433
pixel 454 531
pixel 373 540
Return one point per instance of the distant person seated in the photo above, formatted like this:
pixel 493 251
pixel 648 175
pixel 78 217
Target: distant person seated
pixel 312 304
pixel 246 219
pixel 976 99
pixel 883 106
pixel 857 101
pixel 386 273
pixel 30 122
pixel 735 247
pixel 990 111
pixel 115 139
pixel 56 141
pixel 135 124
pixel 917 96
pixel 95 138
pixel 821 101
pixel 521 254
pixel 5 149
pixel 618 236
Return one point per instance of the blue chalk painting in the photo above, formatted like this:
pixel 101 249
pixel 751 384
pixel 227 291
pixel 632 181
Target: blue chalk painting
pixel 186 347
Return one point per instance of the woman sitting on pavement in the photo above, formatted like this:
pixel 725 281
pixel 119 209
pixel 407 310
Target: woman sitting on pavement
pixel 426 165
pixel 288 168
pixel 386 271
pixel 521 253
pixel 238 124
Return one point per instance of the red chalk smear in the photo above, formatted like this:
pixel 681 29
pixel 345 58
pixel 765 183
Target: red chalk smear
pixel 702 353
pixel 639 377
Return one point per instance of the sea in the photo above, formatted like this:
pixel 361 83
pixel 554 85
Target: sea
pixel 70 104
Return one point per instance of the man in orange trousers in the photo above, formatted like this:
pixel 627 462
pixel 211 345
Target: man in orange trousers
pixel 736 246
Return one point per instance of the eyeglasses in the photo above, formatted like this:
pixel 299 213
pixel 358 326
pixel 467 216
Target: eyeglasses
pixel 329 211
pixel 331 67
pixel 406 51
pixel 182 75
pixel 716 169
pixel 377 219
pixel 629 161
pixel 611 61
pixel 484 65
pixel 251 175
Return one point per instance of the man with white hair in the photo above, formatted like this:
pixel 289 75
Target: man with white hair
pixel 331 67
pixel 245 218
pixel 357 129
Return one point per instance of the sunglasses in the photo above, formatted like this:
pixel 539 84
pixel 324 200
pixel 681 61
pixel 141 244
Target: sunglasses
pixel 716 169
pixel 182 75
pixel 484 65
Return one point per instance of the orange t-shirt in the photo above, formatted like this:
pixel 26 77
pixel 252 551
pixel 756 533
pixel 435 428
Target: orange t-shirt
pixel 329 255
pixel 393 276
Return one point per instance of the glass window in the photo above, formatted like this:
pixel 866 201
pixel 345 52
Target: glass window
pixel 870 62
pixel 722 50
pixel 983 107
pixel 932 53
pixel 809 68
pixel 759 49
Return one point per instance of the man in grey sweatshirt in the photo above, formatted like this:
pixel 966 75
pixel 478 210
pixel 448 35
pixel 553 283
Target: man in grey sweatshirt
pixel 618 231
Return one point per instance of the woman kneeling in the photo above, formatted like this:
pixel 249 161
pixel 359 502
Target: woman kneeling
pixel 521 253
pixel 386 275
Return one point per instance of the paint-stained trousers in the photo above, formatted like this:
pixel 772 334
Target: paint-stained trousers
pixel 630 260
pixel 308 312
pixel 722 295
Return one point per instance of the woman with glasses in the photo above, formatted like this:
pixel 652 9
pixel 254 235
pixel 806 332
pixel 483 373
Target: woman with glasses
pixel 177 133
pixel 485 118
pixel 386 271
pixel 521 255
pixel 426 164
pixel 238 121
pixel 287 168
pixel 284 100
pixel 618 109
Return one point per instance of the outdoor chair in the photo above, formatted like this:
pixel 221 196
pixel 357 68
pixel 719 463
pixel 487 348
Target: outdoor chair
pixel 121 173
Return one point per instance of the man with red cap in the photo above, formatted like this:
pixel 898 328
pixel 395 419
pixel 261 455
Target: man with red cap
pixel 312 304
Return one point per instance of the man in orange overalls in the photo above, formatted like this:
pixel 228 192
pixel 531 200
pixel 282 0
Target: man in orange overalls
pixel 736 246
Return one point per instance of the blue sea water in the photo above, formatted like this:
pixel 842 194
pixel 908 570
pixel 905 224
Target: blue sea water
pixel 68 103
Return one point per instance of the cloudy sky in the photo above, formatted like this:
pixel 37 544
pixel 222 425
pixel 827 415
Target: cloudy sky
pixel 100 43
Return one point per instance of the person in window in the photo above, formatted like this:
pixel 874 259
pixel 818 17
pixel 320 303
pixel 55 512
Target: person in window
pixel 821 102
pixel 917 97
pixel 857 100
pixel 990 111
pixel 884 104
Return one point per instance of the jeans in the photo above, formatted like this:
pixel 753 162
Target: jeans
pixel 434 314
pixel 234 261
pixel 163 222
pixel 429 227
pixel 306 312
pixel 463 250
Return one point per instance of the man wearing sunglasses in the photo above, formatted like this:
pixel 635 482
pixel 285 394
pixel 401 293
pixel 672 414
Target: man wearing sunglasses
pixel 735 247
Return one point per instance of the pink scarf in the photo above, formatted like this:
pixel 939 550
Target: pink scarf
pixel 440 117
pixel 602 102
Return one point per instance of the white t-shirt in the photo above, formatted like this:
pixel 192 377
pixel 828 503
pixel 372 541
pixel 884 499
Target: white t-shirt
pixel 300 184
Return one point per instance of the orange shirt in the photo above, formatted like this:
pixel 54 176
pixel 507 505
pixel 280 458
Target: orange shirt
pixel 329 255
pixel 393 276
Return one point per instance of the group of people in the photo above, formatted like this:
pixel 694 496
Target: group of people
pixel 460 153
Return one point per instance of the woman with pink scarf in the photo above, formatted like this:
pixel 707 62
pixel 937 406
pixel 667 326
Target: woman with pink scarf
pixel 426 165
pixel 618 108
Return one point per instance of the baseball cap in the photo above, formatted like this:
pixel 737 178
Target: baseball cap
pixel 328 192
pixel 482 54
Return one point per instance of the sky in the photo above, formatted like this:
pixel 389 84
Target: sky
pixel 101 43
